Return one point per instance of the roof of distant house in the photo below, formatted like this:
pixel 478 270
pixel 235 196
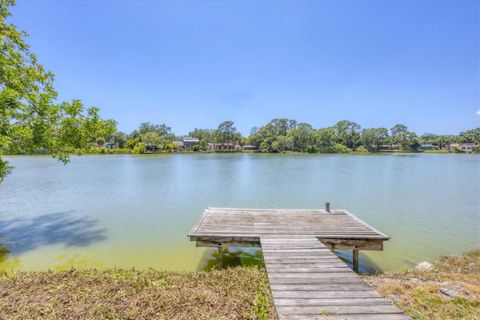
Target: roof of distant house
pixel 469 144
pixel 190 139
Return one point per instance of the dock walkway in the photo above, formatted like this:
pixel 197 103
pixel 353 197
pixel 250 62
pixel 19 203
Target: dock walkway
pixel 307 280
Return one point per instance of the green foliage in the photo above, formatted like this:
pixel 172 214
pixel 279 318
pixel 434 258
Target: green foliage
pixel 407 139
pixel 325 140
pixel 225 132
pixel 170 147
pixel 161 129
pixel 347 133
pixel 119 138
pixel 139 148
pixel 196 147
pixel 361 149
pixel 203 144
pixel 282 143
pixel 471 136
pixel 203 134
pixel 151 138
pixel 373 139
pixel 30 120
pixel 303 137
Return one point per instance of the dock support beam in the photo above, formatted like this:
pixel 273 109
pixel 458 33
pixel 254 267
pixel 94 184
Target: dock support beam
pixel 355 260
pixel 220 256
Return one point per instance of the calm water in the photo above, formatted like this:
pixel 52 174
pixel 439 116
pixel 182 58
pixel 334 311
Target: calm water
pixel 135 211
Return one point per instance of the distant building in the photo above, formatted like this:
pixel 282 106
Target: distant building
pixel 151 148
pixel 110 145
pixel 390 147
pixel 221 146
pixel 179 144
pixel 426 147
pixel 465 147
pixel 249 147
pixel 189 142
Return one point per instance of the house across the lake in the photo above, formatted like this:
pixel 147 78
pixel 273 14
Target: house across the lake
pixel 227 146
pixel 110 145
pixel 189 142
pixel 465 147
pixel 178 144
pixel 249 147
pixel 427 146
pixel 390 147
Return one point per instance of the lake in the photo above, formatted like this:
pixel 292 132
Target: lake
pixel 135 211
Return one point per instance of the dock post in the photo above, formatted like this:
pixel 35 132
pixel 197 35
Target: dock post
pixel 355 260
pixel 327 206
pixel 220 255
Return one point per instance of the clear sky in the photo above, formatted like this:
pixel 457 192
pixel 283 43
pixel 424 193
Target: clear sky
pixel 195 63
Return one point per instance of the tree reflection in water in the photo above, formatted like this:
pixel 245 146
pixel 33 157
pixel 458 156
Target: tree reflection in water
pixel 231 257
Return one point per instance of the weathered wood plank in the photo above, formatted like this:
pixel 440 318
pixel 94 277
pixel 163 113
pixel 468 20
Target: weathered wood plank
pixel 282 302
pixel 378 316
pixel 339 310
pixel 319 294
pixel 323 287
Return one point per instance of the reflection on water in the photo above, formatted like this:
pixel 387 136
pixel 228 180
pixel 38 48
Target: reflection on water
pixel 135 211
pixel 66 228
pixel 231 257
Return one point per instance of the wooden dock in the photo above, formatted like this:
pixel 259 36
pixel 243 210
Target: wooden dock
pixel 307 280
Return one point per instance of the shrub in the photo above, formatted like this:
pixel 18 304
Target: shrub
pixel 139 148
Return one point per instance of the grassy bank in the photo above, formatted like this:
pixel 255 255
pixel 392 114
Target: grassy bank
pixel 450 291
pixel 236 293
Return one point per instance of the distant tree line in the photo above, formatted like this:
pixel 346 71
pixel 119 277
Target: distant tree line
pixel 282 135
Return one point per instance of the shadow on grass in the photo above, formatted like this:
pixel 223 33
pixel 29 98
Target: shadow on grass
pixel 19 235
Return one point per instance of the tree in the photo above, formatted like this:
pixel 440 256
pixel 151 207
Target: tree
pixel 266 135
pixel 119 138
pixel 347 133
pixel 151 138
pixel 373 139
pixel 203 144
pixel 203 134
pixel 161 129
pixel 470 136
pixel 29 118
pixel 325 140
pixel 303 137
pixel 407 139
pixel 94 127
pixel 282 144
pixel 225 132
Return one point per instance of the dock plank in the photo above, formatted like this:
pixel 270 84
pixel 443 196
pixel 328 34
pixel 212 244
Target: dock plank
pixel 302 297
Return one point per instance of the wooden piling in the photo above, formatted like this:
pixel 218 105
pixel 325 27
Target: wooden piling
pixel 355 260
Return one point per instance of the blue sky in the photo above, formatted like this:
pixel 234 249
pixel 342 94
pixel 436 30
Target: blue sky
pixel 195 63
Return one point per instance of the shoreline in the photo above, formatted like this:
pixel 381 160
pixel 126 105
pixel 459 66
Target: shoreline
pixel 450 289
pixel 130 152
